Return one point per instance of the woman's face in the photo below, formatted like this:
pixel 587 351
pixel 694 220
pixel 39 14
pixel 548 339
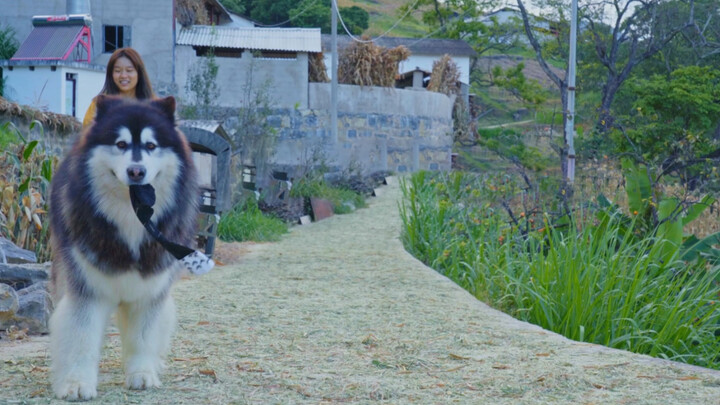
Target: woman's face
pixel 125 76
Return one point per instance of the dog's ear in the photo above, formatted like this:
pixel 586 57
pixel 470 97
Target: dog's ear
pixel 167 106
pixel 105 103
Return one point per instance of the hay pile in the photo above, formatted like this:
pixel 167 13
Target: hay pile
pixel 317 71
pixel 191 12
pixel 444 77
pixel 367 64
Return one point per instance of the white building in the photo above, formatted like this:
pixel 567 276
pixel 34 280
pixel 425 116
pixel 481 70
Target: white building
pixel 423 52
pixel 58 35
pixel 51 70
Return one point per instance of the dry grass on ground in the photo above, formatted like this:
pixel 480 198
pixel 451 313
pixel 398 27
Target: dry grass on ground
pixel 337 312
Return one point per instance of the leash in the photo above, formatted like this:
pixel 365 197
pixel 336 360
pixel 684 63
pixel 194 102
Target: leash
pixel 142 198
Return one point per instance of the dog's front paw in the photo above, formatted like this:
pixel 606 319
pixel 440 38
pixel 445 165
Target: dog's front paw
pixel 142 380
pixel 75 391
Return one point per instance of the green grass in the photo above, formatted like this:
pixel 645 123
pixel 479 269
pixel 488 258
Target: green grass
pixel 528 53
pixel 8 136
pixel 408 27
pixel 593 286
pixel 245 222
pixel 383 15
pixel 343 200
pixel 550 116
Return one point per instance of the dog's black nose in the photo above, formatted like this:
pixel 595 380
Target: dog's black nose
pixel 136 173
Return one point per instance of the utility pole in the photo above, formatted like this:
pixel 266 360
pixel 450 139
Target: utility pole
pixel 334 73
pixel 570 122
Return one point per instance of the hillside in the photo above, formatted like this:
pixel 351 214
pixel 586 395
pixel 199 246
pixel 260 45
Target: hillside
pixel 384 13
pixel 532 69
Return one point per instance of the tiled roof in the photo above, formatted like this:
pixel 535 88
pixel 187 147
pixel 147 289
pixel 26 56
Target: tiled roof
pixel 48 42
pixel 417 46
pixel 275 39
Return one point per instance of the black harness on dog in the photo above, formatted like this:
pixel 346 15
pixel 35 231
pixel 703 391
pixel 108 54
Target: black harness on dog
pixel 142 198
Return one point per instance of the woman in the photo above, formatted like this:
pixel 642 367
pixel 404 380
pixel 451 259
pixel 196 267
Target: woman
pixel 125 76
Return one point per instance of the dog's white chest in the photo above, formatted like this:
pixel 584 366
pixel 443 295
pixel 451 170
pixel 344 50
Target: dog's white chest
pixel 128 286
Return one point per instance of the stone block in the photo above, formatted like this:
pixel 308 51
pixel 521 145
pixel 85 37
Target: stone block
pixel 9 304
pixel 11 253
pixel 34 311
pixel 20 276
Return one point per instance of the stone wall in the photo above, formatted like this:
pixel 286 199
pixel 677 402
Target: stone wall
pixel 379 129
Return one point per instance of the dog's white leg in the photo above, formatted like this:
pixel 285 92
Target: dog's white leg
pixel 77 327
pixel 145 329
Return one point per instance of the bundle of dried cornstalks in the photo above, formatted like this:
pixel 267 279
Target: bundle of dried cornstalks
pixel 444 76
pixel 191 12
pixel 367 64
pixel 317 71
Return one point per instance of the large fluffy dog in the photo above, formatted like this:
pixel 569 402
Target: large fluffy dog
pixel 104 260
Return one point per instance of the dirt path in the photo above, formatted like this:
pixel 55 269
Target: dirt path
pixel 508 124
pixel 338 312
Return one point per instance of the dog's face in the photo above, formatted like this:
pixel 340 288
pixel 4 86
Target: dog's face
pixel 134 142
pixel 136 158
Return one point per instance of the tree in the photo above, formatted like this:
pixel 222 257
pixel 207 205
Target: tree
pixel 561 83
pixel 311 13
pixel 316 13
pixel 306 13
pixel 624 33
pixel 234 6
pixel 704 34
pixel 463 19
pixel 698 44
pixel 270 11
pixel 8 47
pixel 8 43
pixel 356 19
pixel 638 30
pixel 671 126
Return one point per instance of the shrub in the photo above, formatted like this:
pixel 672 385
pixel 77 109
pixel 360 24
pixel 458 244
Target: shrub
pixel 343 199
pixel 245 222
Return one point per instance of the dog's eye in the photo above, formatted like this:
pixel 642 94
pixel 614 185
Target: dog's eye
pixel 150 146
pixel 121 145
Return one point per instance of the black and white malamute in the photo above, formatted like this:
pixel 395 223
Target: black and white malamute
pixel 104 260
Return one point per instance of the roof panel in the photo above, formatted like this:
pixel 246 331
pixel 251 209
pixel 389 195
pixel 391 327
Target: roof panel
pixel 276 39
pixel 48 42
pixel 417 46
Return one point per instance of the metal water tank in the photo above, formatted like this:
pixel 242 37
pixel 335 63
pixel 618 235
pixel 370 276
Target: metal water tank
pixel 77 7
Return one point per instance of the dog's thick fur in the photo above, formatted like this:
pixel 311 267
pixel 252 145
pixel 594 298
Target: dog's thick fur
pixel 104 261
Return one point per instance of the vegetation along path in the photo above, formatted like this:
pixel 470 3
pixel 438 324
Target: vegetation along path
pixel 338 312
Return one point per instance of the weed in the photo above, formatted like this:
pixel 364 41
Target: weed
pixel 591 280
pixel 245 222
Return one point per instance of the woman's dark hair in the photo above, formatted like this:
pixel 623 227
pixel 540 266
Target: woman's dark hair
pixel 143 90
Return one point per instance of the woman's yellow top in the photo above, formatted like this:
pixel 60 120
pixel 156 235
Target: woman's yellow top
pixel 89 114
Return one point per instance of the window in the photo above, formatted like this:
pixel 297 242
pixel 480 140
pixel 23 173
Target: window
pixel 115 36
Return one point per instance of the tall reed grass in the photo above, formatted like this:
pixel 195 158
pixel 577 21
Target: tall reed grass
pixel 587 282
